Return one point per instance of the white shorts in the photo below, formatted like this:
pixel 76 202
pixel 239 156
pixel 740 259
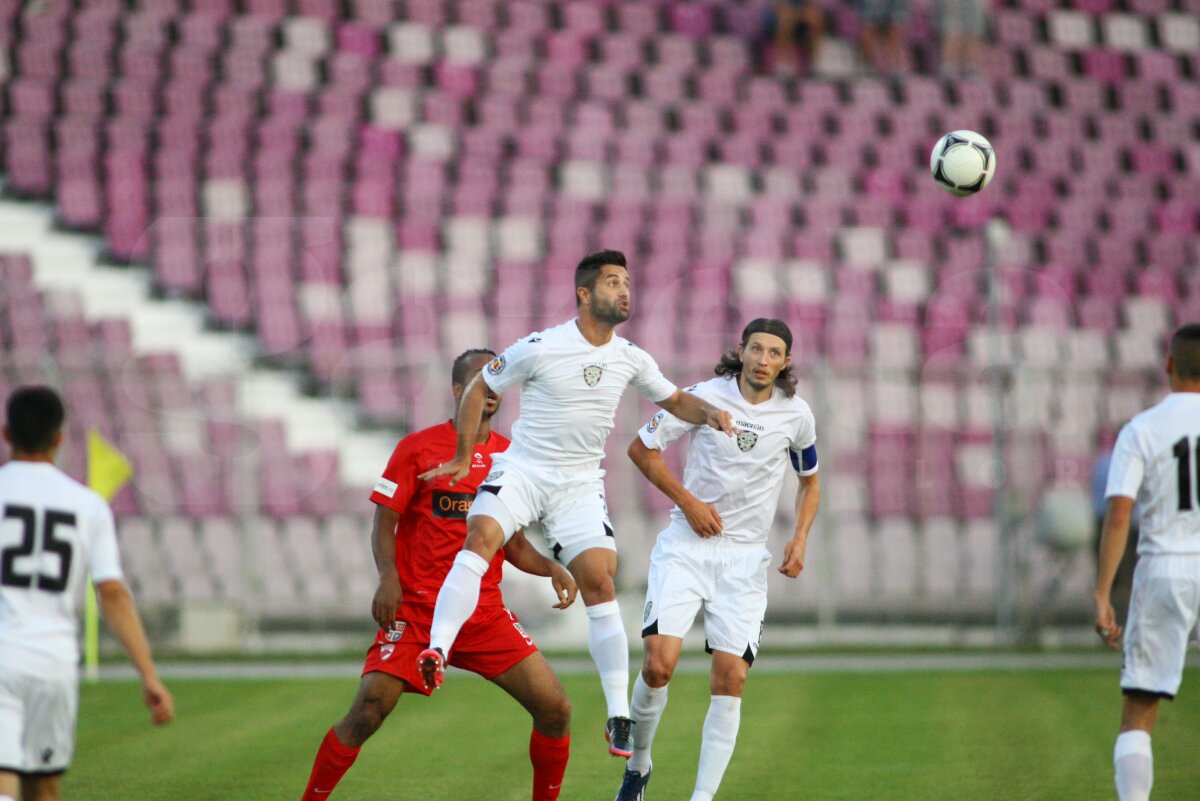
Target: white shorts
pixel 728 579
pixel 570 507
pixel 1163 610
pixel 37 722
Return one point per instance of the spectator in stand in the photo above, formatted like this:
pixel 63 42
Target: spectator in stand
pixel 792 34
pixel 962 23
pixel 883 34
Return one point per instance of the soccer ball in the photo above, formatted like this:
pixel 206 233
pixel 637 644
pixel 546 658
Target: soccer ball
pixel 963 162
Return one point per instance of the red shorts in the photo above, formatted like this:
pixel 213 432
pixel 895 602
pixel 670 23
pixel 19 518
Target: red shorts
pixel 490 642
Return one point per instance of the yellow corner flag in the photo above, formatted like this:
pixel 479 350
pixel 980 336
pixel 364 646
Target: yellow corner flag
pixel 107 471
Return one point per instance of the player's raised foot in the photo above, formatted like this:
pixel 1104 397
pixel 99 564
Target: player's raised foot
pixel 633 786
pixel 619 733
pixel 432 664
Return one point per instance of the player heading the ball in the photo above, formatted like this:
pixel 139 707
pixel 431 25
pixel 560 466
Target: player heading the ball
pixel 572 377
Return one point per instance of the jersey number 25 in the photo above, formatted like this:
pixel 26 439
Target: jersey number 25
pixel 10 576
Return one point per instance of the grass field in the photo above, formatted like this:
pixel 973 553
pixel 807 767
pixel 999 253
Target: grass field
pixel 859 737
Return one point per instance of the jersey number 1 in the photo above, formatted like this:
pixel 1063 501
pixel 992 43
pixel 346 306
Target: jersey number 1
pixel 1184 457
pixel 10 576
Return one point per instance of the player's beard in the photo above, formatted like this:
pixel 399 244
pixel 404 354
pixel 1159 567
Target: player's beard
pixel 610 313
pixel 754 383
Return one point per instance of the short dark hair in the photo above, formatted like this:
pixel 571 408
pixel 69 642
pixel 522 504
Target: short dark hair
pixel 1185 350
pixel 589 268
pixel 458 373
pixel 34 415
pixel 731 365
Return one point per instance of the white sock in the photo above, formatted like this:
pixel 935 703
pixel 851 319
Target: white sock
pixel 456 600
pixel 646 710
pixel 720 735
pixel 610 651
pixel 1134 765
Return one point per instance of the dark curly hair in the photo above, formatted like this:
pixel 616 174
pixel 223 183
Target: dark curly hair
pixel 731 365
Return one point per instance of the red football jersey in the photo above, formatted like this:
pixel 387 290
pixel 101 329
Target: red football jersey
pixel 433 514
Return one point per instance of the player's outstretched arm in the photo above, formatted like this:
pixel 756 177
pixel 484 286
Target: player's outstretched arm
pixel 693 409
pixel 1113 537
pixel 808 498
pixel 520 553
pixel 470 415
pixel 702 517
pixel 116 604
pixel 383 548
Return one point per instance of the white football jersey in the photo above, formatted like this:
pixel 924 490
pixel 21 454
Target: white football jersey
pixel 570 390
pixel 53 533
pixel 741 476
pixel 1156 462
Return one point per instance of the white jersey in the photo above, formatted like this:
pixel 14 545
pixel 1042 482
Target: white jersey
pixel 53 532
pixel 1156 462
pixel 570 390
pixel 741 476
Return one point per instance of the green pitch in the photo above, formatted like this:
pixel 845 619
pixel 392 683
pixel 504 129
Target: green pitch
pixel 859 737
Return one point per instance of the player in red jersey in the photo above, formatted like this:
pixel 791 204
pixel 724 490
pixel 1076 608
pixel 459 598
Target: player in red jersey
pixel 419 528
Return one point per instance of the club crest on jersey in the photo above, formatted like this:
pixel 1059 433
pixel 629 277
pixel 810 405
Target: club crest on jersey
pixel 396 631
pixel 746 440
pixel 652 426
pixel 385 653
pixel 496 365
pixel 591 374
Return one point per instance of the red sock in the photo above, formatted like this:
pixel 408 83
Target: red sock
pixel 549 758
pixel 332 762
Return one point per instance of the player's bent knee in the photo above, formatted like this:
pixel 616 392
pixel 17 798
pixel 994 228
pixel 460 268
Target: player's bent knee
pixel 365 719
pixel 554 717
pixel 734 686
pixel 657 668
pixel 484 536
pixel 657 674
pixel 596 588
pixel 729 681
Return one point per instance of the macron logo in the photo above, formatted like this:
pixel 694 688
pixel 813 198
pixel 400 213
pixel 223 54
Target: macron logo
pixel 385 487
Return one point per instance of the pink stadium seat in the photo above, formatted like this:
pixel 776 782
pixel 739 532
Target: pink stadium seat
pixel 1105 66
pixel 691 18
pixel 1094 6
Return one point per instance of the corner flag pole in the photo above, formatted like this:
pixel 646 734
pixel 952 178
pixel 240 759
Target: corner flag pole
pixel 996 239
pixel 107 472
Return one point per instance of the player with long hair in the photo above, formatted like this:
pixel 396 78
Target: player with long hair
pixel 713 554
